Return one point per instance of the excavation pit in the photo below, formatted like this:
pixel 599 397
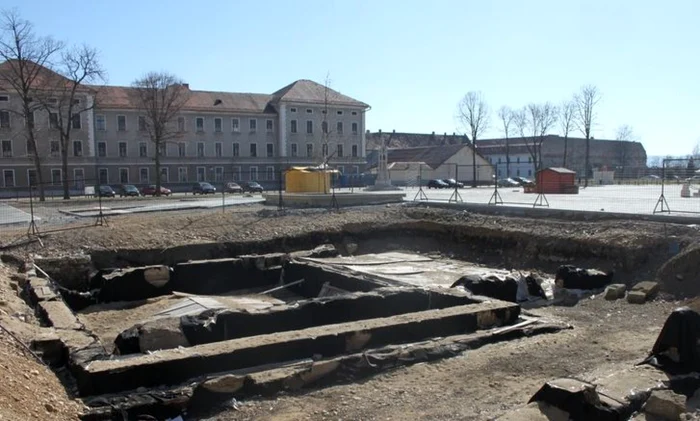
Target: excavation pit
pixel 188 322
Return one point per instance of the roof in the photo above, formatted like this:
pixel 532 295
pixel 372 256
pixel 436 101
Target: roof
pixel 126 97
pixel 433 156
pixel 559 170
pixel 308 91
pixel 410 140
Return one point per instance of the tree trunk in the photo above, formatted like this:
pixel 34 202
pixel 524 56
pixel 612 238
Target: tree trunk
pixel 473 162
pixel 64 170
pixel 566 147
pixel 157 160
pixel 507 157
pixel 588 152
pixel 37 167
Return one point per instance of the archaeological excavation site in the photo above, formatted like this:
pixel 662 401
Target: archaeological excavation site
pixel 378 313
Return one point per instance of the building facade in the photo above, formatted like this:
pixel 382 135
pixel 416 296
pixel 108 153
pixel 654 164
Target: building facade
pixel 221 136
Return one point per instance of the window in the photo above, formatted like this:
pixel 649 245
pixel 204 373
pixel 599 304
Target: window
pixel 529 173
pixel 56 176
pixel 218 125
pixel 164 175
pixel 340 113
pixel 324 112
pixel 76 102
pixel 142 123
pixel 236 149
pixel 270 173
pixel 143 175
pixel 122 149
pixel 219 149
pixel 163 149
pixel 103 176
pixel 309 150
pixel 219 174
pixel 4 119
pixel 30 148
pixel 518 162
pixel 78 178
pixel 341 169
pixel 354 151
pixel 201 174
pixel 309 111
pixel 499 160
pixel 200 149
pixel 121 123
pixel 354 128
pixel 293 128
pixel 182 174
pixel 324 127
pixel 4 98
pixel 355 169
pixel 101 149
pixel 253 150
pixel 77 148
pixel 100 123
pixel 236 173
pixel 294 149
pixel 30 119
pixel 269 125
pixel 124 175
pixel 253 124
pixel 55 148
pixel 529 160
pixel 8 177
pixel 339 150
pixel 181 149
pixel 181 124
pixel 143 149
pixel 199 124
pixel 31 176
pixel 293 109
pixel 270 150
pixel 309 126
pixel 499 173
pixel 253 173
pixel 339 127
pixel 53 120
pixel 324 149
pixel 7 149
pixel 354 113
pixel 518 172
pixel 235 125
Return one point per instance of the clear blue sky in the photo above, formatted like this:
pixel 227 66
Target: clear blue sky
pixel 413 60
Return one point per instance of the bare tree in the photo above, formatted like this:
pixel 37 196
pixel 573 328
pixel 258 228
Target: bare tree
pixel 585 103
pixel 624 135
pixel 473 114
pixel 696 150
pixel 68 98
pixel 534 122
pixel 325 130
pixel 507 117
pixel 160 97
pixel 27 59
pixel 566 124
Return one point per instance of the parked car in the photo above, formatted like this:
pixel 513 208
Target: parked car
pixel 151 191
pixel 106 191
pixel 252 187
pixel 128 190
pixel 203 188
pixel 437 184
pixel 508 182
pixel 452 183
pixel 523 181
pixel 232 187
pixel 651 177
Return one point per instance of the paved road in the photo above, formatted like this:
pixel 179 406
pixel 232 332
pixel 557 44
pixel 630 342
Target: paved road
pixel 10 215
pixel 169 206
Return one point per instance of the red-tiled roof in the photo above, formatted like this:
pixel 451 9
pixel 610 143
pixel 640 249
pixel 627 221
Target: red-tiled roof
pixel 308 91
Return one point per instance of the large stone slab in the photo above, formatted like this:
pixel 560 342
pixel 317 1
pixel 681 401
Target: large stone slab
pixel 58 315
pixel 222 275
pixel 642 292
pixel 665 404
pixel 579 399
pixel 177 365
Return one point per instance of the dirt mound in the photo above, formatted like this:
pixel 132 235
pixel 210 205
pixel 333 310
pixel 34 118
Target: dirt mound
pixel 680 276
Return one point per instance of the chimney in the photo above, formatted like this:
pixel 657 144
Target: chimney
pixel 186 85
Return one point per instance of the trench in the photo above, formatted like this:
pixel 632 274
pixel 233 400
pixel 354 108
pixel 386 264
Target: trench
pixel 163 318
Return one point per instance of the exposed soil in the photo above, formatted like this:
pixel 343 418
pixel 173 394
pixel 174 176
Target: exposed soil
pixel 480 384
pixel 679 276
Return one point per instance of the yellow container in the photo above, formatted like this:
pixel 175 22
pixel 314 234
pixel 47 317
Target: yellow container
pixel 308 180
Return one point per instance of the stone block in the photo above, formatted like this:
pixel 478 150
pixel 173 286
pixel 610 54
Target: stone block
pixel 162 334
pixel 648 288
pixel 636 297
pixel 58 315
pixel 579 399
pixel 614 292
pixel 665 404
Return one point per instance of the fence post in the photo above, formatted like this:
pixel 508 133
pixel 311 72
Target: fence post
pixel 101 219
pixel 223 198
pixel 280 203
pixel 32 230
